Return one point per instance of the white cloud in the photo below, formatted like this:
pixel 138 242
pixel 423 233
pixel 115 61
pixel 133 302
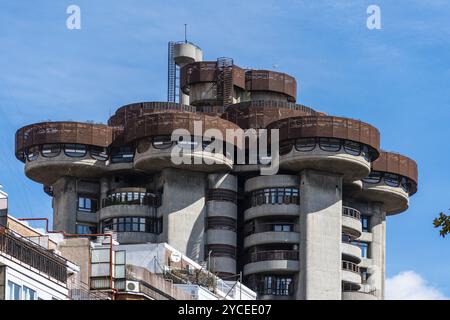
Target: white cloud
pixel 408 285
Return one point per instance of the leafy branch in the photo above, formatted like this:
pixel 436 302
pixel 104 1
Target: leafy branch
pixel 443 222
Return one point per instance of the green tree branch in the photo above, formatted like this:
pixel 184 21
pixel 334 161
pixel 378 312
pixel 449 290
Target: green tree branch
pixel 443 222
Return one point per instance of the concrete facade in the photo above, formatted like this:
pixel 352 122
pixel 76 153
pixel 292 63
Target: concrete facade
pixel 314 230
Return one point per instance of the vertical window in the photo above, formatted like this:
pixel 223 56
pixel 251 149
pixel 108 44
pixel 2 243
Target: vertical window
pixel 365 220
pixel 365 248
pixel 75 150
pixel 14 291
pixel 86 229
pixel 364 275
pixel 29 294
pixel 87 203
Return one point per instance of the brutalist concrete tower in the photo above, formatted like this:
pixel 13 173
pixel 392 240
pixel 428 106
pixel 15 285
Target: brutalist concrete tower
pixel 315 230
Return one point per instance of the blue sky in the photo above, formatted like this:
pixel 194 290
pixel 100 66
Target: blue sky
pixel 396 78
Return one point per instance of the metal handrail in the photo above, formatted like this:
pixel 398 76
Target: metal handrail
pixel 351 212
pixel 350 266
pixel 273 255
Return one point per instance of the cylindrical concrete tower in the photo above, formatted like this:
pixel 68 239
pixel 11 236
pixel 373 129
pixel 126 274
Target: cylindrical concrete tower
pixel 184 53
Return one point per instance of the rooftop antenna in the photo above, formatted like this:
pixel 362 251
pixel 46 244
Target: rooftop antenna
pixel 185 33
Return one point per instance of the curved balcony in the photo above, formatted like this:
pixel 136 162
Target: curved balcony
pixel 152 133
pixel 270 210
pixel 221 209
pixel 351 273
pixel 273 110
pixel 55 149
pixel 351 221
pixel 392 181
pixel 325 143
pixel 47 163
pixel 358 295
pixel 272 261
pixel 275 181
pixel 351 252
pixel 158 155
pixel 270 233
pixel 216 236
pixel 131 196
pixel 133 202
pixel 223 265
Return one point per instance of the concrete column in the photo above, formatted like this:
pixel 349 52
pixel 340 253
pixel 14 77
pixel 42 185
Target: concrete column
pixel 378 247
pixel 65 204
pixel 104 187
pixel 320 236
pixel 183 211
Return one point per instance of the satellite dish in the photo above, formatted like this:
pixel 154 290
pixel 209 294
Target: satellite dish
pixel 175 257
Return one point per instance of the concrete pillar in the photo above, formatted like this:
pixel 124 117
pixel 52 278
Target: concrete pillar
pixel 104 188
pixel 183 211
pixel 320 236
pixel 378 247
pixel 65 204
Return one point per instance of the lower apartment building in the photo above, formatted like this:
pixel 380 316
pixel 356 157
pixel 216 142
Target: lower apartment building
pixel 30 267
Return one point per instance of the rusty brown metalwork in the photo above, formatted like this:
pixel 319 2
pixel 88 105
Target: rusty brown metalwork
pixel 396 163
pixel 258 114
pixel 328 127
pixel 267 80
pixel 251 80
pixel 62 132
pixel 203 71
pixel 134 110
pixel 163 124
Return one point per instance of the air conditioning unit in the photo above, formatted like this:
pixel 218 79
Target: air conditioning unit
pixel 132 286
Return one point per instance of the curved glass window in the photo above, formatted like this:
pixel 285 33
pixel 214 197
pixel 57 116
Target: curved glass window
pixel 365 153
pixel 164 142
pixel 353 148
pixel 205 144
pixel 98 153
pixel 133 224
pixel 373 178
pixel 144 145
pixel 75 150
pixel 330 144
pixel 189 144
pixel 305 145
pixel 285 147
pixel 392 180
pixel 33 153
pixel 275 285
pixel 406 185
pixel 51 150
pixel 274 196
pixel 122 154
pixel 130 198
